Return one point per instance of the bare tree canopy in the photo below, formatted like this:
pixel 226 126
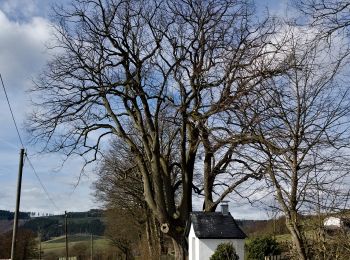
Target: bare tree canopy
pixel 200 97
pixel 331 16
pixel 173 80
pixel 119 186
pixel 307 124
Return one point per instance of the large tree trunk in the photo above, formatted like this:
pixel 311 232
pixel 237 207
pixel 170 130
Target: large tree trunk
pixel 297 239
pixel 175 230
pixel 180 251
pixel 128 255
pixel 153 237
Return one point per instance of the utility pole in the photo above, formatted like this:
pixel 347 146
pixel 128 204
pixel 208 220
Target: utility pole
pixel 39 244
pixel 65 231
pixel 92 246
pixel 18 200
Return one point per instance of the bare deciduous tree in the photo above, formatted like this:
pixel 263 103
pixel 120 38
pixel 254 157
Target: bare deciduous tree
pixel 327 243
pixel 306 127
pixel 331 16
pixel 172 80
pixel 119 187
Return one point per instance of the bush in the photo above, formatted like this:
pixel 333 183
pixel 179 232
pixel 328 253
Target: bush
pixel 225 251
pixel 260 247
pixel 27 247
pixel 80 249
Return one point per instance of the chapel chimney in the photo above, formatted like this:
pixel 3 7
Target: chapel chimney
pixel 224 207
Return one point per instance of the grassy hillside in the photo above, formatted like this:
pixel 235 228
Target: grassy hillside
pixel 75 243
pixel 102 248
pixel 78 223
pixel 74 238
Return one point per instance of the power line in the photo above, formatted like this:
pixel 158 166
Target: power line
pixel 21 141
pixel 13 117
pixel 42 185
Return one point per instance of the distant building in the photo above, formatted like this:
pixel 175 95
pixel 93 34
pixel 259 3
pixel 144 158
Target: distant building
pixel 209 229
pixel 333 223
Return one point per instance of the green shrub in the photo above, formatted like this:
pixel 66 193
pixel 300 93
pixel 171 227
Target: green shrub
pixel 260 247
pixel 225 251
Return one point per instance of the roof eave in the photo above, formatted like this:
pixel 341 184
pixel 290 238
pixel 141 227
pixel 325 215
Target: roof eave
pixel 222 237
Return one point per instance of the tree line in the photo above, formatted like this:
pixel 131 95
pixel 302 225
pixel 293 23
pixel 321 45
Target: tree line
pixel 8 215
pixel 27 247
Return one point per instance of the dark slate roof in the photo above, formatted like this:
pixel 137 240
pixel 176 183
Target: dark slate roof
pixel 215 225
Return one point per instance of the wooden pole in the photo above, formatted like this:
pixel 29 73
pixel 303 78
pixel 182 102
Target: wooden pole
pixel 18 200
pixel 92 246
pixel 66 231
pixel 39 245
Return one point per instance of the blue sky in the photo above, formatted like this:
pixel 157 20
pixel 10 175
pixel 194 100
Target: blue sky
pixel 24 31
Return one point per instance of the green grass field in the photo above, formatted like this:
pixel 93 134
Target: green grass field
pixel 57 245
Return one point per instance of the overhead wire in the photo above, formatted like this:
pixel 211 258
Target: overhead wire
pixel 21 141
pixel 41 183
pixel 13 117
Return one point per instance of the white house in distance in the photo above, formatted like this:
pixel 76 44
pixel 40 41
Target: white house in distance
pixel 332 223
pixel 209 229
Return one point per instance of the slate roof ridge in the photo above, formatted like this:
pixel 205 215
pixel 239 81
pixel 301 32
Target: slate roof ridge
pixel 215 225
pixel 206 212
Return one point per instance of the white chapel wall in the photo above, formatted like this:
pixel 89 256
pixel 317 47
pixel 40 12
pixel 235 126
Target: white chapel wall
pixel 203 249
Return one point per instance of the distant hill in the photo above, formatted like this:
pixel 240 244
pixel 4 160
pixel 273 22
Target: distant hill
pixel 53 225
pixel 78 223
pixel 6 220
pixel 263 227
pixel 9 215
pixel 6 225
pixel 97 213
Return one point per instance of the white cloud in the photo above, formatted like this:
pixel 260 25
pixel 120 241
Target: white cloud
pixel 19 8
pixel 22 56
pixel 22 49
